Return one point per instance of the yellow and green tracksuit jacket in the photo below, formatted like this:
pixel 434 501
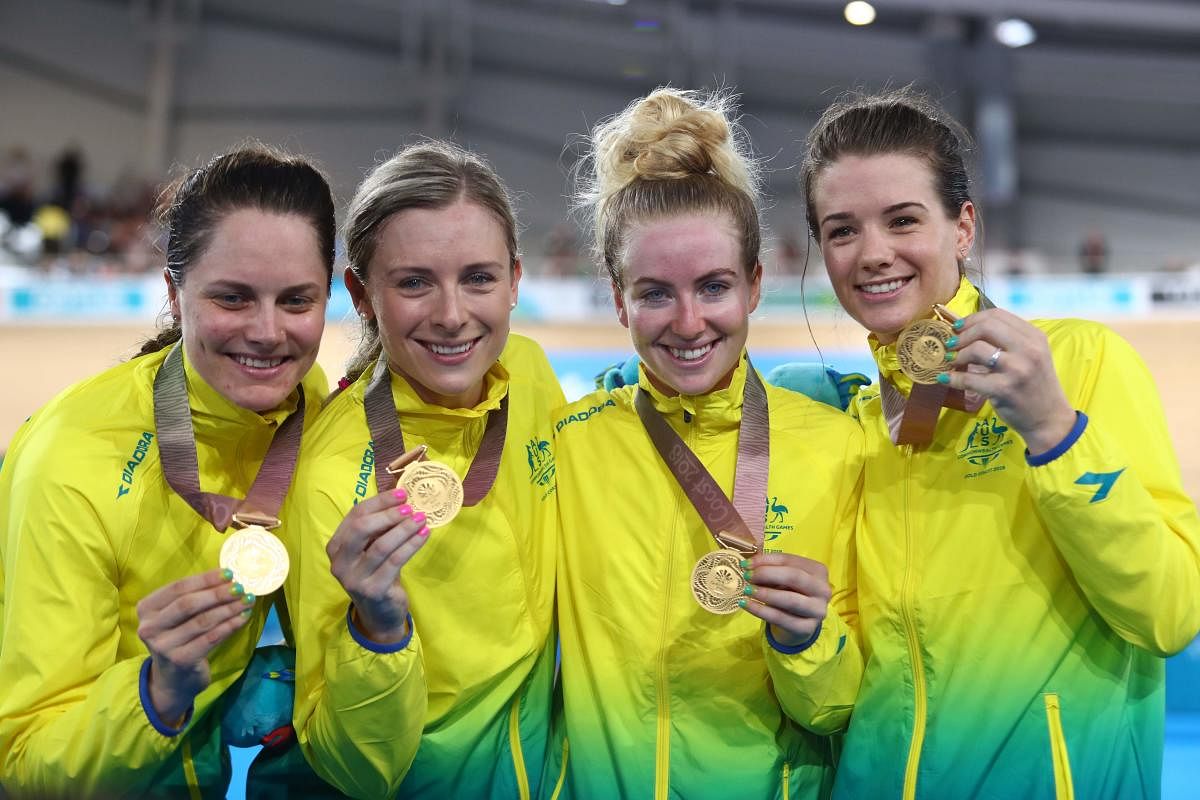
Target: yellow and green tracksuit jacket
pixel 1015 616
pixel 469 693
pixel 88 528
pixel 661 698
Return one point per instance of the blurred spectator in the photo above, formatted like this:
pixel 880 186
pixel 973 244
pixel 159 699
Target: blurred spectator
pixel 562 252
pixel 16 187
pixel 1093 252
pixel 68 175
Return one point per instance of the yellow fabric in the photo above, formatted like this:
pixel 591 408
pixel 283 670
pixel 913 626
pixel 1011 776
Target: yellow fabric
pixel 987 585
pixel 89 527
pixel 662 698
pixel 480 593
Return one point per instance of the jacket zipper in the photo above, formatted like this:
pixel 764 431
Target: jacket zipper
pixel 514 747
pixel 562 773
pixel 908 613
pixel 1064 788
pixel 189 770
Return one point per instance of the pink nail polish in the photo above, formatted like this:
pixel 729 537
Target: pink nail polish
pixel 406 509
pixel 419 517
pixel 400 495
pixel 424 531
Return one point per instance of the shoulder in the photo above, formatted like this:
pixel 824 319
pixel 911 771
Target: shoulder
pixel 1080 344
pixel 526 361
pixel 341 425
pixel 597 409
pixel 793 412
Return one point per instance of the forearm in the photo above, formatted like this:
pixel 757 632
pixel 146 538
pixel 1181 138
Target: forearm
pixel 83 741
pixel 360 721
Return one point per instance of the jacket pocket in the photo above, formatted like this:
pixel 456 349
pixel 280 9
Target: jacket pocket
pixel 1063 787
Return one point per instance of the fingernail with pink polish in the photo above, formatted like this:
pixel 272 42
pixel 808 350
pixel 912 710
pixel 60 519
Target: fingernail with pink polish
pixel 424 531
pixel 400 495
pixel 419 517
pixel 406 509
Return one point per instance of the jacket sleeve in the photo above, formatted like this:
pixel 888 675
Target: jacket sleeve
pixel 1114 504
pixel 359 712
pixel 72 721
pixel 817 682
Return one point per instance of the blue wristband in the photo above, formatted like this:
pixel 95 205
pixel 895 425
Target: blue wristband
pixel 376 647
pixel 791 650
pixel 155 720
pixel 1072 436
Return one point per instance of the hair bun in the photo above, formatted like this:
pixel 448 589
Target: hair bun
pixel 670 138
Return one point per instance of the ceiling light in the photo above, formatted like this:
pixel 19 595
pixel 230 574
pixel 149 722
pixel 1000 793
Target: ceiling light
pixel 859 13
pixel 1015 33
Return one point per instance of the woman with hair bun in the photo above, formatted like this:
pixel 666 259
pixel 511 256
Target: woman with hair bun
pixel 425 653
pixel 120 636
pixel 707 645
pixel 1028 556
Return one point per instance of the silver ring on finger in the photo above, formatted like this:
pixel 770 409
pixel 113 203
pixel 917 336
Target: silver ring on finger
pixel 994 360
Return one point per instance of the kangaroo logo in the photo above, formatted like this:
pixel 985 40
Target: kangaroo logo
pixel 776 510
pixel 985 443
pixel 541 461
pixel 776 522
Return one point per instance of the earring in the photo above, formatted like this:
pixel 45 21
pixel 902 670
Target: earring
pixel 513 304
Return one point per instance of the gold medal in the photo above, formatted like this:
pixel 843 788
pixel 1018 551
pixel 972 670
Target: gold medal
pixel 434 489
pixel 921 350
pixel 257 558
pixel 717 581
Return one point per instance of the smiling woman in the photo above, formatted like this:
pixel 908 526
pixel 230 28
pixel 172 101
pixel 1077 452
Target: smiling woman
pixel 424 660
pixel 121 636
pixel 706 651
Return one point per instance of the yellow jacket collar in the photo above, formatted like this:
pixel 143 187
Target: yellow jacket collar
pixel 718 409
pixel 495 387
pixel 964 302
pixel 212 410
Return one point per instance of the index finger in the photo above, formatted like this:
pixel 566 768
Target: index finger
pixel 164 596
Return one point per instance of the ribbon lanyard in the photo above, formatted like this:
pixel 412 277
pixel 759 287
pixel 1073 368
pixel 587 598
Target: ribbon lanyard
pixel 912 420
pixel 181 465
pixel 383 420
pixel 737 525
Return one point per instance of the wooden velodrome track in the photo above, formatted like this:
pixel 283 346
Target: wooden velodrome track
pixel 37 361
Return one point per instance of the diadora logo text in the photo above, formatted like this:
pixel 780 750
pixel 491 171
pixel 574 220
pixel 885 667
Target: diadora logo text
pixel 984 445
pixel 582 416
pixel 776 516
pixel 135 460
pixel 541 461
pixel 365 470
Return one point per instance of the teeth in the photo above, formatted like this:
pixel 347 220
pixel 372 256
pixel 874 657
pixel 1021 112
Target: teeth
pixel 883 288
pixel 690 354
pixel 260 363
pixel 449 350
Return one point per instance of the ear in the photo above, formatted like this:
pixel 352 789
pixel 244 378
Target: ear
pixel 619 302
pixel 172 296
pixel 358 294
pixel 516 280
pixel 965 236
pixel 755 285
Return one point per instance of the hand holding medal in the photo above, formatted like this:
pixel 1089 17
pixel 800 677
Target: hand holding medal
pixel 791 593
pixel 367 553
pixel 1007 361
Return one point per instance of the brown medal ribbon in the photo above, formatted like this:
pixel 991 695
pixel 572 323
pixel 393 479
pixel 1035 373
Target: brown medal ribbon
pixel 181 465
pixel 912 420
pixel 383 420
pixel 737 525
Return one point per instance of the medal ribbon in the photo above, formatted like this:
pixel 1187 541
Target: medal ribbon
pixel 181 465
pixel 737 525
pixel 912 420
pixel 384 422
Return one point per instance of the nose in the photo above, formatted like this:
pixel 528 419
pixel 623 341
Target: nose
pixel 266 326
pixel 877 251
pixel 689 322
pixel 448 312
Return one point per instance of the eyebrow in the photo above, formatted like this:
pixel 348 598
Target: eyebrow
pixel 708 276
pixel 410 269
pixel 840 215
pixel 245 288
